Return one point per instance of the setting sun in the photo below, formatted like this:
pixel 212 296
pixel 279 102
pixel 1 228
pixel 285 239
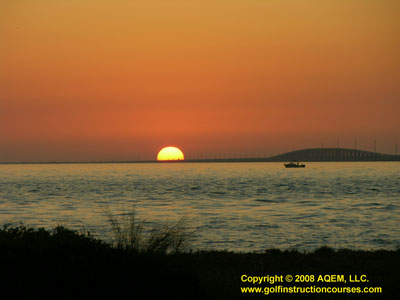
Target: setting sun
pixel 170 153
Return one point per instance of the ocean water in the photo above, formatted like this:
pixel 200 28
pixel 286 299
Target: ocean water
pixel 233 206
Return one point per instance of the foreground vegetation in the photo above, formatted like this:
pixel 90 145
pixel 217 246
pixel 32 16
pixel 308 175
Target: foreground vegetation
pixel 65 264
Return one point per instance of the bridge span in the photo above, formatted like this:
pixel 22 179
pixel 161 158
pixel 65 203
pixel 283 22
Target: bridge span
pixel 334 154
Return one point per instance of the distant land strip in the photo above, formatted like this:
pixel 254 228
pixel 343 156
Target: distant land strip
pixel 305 155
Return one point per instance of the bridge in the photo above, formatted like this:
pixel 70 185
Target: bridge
pixel 333 154
pixel 310 155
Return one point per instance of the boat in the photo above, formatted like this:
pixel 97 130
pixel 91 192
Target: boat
pixel 294 164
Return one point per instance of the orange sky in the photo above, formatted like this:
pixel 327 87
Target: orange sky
pixel 118 80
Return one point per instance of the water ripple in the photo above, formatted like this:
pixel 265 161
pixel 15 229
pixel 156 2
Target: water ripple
pixel 233 206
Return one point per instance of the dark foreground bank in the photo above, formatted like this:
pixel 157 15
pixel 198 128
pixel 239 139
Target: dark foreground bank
pixel 64 264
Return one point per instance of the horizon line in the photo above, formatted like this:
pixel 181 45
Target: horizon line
pixel 374 156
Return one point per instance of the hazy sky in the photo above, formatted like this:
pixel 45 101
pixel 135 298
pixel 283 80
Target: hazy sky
pixel 118 79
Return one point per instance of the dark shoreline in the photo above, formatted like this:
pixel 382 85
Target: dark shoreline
pixel 78 266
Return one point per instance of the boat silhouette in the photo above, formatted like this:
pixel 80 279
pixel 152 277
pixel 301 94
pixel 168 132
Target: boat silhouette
pixel 294 164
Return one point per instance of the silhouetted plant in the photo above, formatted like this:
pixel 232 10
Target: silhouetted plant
pixel 128 233
pixel 83 267
pixel 127 230
pixel 169 238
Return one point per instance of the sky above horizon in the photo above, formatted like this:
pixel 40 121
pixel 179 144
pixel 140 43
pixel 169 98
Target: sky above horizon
pixel 118 80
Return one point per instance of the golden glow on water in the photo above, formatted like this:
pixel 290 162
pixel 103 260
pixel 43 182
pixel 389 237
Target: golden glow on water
pixel 235 206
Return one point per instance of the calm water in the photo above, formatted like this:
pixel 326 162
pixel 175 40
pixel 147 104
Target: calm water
pixel 235 206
